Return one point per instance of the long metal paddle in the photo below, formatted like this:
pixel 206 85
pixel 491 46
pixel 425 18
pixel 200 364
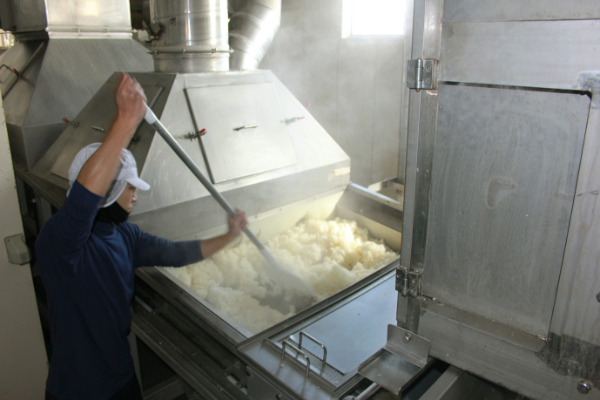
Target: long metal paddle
pixel 274 269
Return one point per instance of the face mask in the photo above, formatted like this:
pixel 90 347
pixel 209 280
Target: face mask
pixel 112 214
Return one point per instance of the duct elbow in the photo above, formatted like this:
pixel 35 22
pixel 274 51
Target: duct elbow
pixel 252 28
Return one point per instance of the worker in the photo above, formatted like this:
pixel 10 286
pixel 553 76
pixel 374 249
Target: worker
pixel 87 253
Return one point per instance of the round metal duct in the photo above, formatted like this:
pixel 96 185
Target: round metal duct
pixel 191 37
pixel 251 31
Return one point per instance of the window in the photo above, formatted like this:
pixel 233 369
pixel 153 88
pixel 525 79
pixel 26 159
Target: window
pixel 373 17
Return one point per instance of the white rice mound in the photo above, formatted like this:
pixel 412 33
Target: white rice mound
pixel 328 255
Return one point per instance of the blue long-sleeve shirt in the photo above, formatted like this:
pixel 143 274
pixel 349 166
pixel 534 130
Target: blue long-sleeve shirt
pixel 88 272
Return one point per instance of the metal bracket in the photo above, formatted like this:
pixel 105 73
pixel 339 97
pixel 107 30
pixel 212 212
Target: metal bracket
pixel 419 74
pixel 403 359
pixel 408 345
pixel 408 282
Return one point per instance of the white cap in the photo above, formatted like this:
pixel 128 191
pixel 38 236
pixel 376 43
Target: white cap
pixel 127 173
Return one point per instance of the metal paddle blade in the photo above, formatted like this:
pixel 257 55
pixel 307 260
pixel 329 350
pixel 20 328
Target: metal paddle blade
pixel 284 276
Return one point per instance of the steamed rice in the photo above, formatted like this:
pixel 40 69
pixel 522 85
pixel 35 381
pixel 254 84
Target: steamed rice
pixel 328 255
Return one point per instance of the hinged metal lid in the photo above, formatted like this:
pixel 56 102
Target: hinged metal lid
pixel 246 131
pixel 419 74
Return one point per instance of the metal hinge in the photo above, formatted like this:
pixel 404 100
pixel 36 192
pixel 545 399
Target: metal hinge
pixel 419 74
pixel 408 282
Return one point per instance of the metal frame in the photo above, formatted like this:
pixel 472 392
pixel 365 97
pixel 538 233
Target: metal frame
pixel 562 365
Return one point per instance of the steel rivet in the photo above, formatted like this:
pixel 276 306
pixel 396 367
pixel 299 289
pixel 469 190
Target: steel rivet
pixel 584 387
pixel 278 396
pixel 407 338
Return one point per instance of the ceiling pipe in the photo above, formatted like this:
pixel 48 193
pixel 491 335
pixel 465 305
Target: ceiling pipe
pixel 189 36
pixel 252 28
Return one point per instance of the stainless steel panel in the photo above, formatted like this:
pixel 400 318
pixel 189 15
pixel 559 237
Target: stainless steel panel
pixel 455 384
pixel 503 181
pixel 366 322
pixel 70 15
pixel 29 15
pixel 578 297
pixel 74 70
pixel 514 367
pixel 515 10
pixel 259 388
pixel 35 140
pixel 58 82
pixel 7 22
pixel 16 101
pixel 547 54
pixel 256 198
pixel 246 132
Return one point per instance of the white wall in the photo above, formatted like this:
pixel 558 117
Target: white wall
pixel 23 362
pixel 353 86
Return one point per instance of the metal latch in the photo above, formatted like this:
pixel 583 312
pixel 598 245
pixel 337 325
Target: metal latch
pixel 419 74
pixel 408 282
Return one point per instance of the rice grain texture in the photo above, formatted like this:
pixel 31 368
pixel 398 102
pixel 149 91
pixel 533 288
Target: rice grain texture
pixel 328 255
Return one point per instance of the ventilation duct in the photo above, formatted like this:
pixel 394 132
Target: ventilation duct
pixel 190 36
pixel 251 30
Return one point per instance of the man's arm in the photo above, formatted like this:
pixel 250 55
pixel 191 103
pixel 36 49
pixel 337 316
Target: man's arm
pixel 152 250
pixel 98 172
pixel 236 225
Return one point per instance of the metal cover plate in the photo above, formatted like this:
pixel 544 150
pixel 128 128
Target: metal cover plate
pixel 235 153
pixel 503 182
pixel 366 317
pixel 391 371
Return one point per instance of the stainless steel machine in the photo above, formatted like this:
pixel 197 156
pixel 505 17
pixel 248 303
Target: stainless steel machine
pixel 499 272
pixel 63 54
pixel 498 276
pixel 267 155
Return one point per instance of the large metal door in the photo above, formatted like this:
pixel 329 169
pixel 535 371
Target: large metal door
pixel 501 192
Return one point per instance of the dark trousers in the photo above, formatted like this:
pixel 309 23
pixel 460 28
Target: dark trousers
pixel 131 391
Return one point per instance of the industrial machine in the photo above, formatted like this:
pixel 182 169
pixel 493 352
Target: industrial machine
pixel 496 292
pixel 63 54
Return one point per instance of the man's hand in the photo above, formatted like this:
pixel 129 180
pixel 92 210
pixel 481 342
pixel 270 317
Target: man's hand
pixel 236 225
pixel 99 171
pixel 131 101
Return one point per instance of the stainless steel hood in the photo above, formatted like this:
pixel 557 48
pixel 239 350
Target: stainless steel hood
pixel 245 130
pixel 63 54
